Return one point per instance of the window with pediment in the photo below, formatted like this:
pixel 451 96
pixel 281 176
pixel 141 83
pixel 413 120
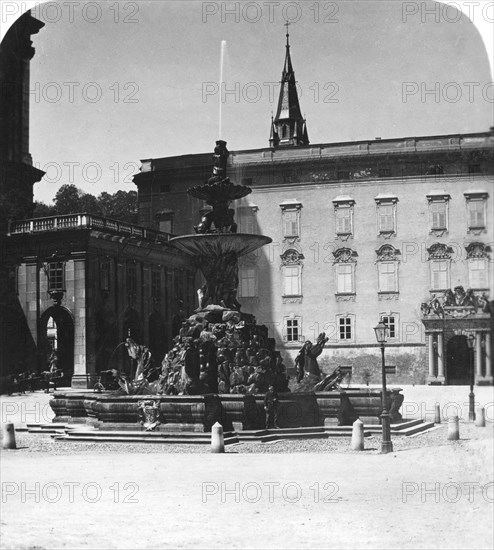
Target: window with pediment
pixel 291 268
pixel 345 264
pixel 343 211
pixel 387 269
pixel 438 212
pixel 478 266
pixel 290 217
pixel 440 266
pixel 386 215
pixel 476 202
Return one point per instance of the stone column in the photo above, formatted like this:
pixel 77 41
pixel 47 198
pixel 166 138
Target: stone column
pixel 440 358
pixel 430 346
pixel 488 363
pixel 80 378
pixel 478 357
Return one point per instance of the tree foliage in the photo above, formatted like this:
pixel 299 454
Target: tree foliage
pixel 69 199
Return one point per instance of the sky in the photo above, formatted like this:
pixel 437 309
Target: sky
pixel 114 82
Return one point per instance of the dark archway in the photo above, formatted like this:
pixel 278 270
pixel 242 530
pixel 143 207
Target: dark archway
pixel 458 360
pixel 57 328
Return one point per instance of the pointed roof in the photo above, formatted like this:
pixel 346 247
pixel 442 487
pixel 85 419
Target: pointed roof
pixel 288 126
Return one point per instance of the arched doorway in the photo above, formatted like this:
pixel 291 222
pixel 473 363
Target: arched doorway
pixel 458 360
pixel 57 332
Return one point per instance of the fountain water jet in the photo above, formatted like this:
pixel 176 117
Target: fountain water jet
pixel 222 61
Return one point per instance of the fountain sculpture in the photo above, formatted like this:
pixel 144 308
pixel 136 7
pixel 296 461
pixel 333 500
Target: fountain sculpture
pixel 221 360
pixel 219 348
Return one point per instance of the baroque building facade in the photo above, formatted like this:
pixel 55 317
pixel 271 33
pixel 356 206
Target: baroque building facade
pixel 362 231
pixel 398 230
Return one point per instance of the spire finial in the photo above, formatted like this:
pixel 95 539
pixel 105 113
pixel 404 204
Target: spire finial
pixel 287 24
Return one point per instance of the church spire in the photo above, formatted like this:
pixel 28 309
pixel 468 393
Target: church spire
pixel 288 126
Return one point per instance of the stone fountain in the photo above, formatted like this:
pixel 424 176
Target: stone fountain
pixel 222 362
pixel 222 350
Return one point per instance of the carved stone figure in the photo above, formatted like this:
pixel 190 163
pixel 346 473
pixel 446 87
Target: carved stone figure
pixel 149 414
pixel 306 361
pixel 331 381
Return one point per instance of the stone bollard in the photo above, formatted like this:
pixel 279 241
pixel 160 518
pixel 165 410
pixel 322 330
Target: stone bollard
pixel 437 418
pixel 8 436
pixel 217 439
pixel 453 428
pixel 480 417
pixel 358 435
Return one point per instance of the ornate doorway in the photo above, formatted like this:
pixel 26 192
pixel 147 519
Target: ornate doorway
pixel 458 359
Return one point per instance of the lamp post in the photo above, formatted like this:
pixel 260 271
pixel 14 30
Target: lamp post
pixel 381 331
pixel 471 395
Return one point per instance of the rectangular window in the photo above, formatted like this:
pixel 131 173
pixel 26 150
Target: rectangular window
pixel 290 223
pixel 476 214
pixel 156 283
pixel 345 328
pixel 104 275
pixel 246 221
pixel 390 322
pixel 131 279
pixel 344 278
pixel 439 274
pixel 292 330
pixel 247 282
pixel 388 280
pixel 343 221
pixel 386 218
pixel 56 276
pixel 477 273
pixel 166 225
pixel 291 281
pixel 438 212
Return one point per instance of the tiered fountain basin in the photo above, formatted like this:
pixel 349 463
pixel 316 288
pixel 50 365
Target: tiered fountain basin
pixel 111 410
pixel 219 244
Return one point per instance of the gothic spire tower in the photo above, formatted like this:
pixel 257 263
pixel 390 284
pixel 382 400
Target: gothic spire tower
pixel 288 127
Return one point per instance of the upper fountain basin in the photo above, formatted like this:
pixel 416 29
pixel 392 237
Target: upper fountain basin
pixel 216 191
pixel 217 244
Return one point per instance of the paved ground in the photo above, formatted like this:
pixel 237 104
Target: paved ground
pixel 436 496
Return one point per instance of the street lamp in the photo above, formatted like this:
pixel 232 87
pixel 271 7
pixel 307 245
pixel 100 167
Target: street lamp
pixel 471 396
pixel 382 332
